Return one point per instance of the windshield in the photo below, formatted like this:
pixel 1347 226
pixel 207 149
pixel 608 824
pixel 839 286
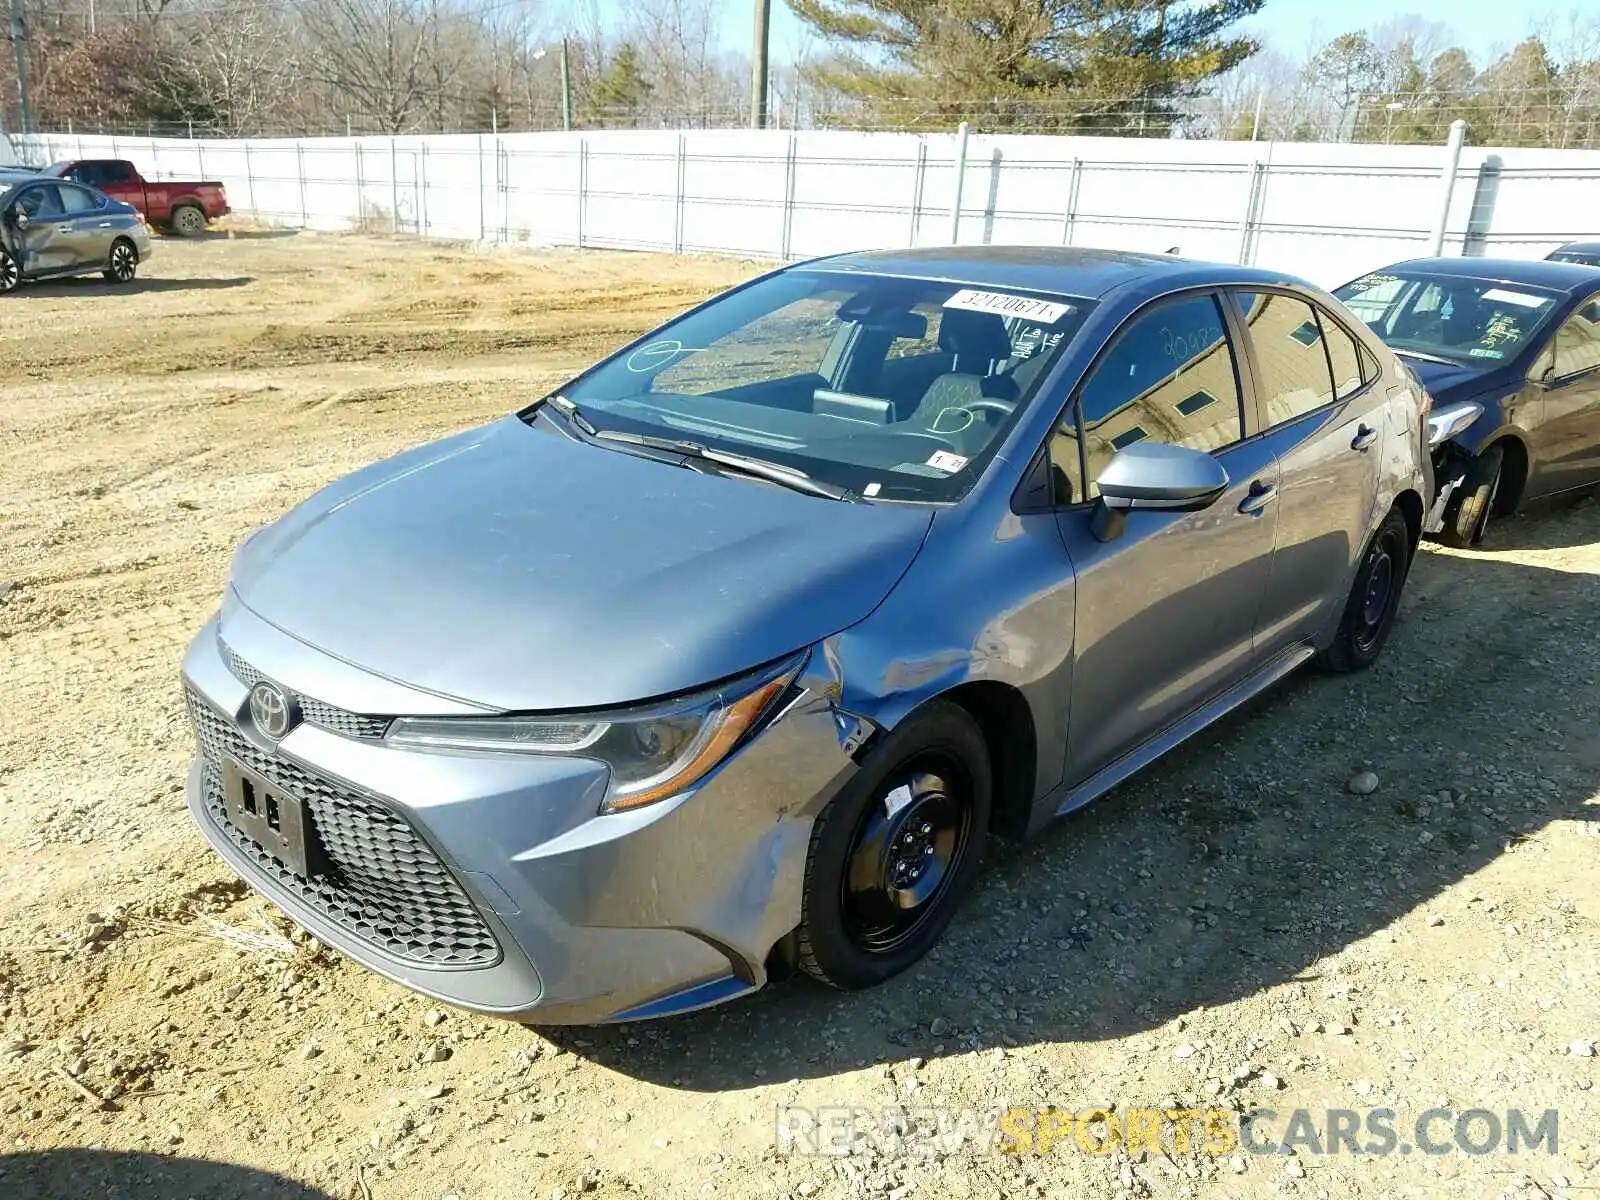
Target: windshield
pixel 891 388
pixel 1470 321
pixel 1587 258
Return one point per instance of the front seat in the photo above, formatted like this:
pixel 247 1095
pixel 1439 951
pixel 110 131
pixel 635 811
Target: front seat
pixel 975 342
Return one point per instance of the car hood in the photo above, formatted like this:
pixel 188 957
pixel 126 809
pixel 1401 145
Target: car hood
pixel 516 569
pixel 1446 381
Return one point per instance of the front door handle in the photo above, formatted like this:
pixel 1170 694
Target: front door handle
pixel 1261 495
pixel 1364 437
pixel 63 228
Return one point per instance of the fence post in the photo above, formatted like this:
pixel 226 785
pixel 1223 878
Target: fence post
pixel 394 187
pixel 200 157
pixel 1251 203
pixel 677 213
pixel 361 197
pixel 788 200
pixel 917 181
pixel 483 221
pixel 960 180
pixel 249 181
pixel 1070 217
pixel 1447 185
pixel 300 171
pixel 425 226
pixel 583 183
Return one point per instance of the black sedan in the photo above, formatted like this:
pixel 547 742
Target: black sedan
pixel 1587 253
pixel 1510 352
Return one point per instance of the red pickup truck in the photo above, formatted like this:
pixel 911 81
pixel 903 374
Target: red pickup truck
pixel 179 205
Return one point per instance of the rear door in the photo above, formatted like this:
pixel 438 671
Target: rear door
pixel 90 220
pixel 1566 441
pixel 1322 412
pixel 1166 612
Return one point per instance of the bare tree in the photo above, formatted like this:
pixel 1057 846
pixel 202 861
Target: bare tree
pixel 375 54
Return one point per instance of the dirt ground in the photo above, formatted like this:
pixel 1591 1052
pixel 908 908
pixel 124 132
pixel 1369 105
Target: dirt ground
pixel 1233 928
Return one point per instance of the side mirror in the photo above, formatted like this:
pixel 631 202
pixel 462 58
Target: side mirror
pixel 1154 475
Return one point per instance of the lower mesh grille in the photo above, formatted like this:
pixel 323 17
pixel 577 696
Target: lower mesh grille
pixel 382 883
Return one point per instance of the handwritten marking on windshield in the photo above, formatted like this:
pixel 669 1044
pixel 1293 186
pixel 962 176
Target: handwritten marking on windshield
pixel 656 355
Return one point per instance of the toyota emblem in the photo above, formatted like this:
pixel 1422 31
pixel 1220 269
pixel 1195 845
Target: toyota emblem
pixel 271 709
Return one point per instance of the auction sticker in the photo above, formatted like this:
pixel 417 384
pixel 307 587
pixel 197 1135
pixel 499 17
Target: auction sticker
pixel 1507 296
pixel 946 461
pixel 1006 305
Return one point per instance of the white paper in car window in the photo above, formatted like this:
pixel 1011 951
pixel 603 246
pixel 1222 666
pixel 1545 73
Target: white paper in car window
pixel 1506 296
pixel 1006 305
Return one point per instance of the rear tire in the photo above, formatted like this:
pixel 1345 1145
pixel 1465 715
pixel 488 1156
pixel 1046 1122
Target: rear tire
pixel 1369 612
pixel 10 273
pixel 881 886
pixel 1467 514
pixel 123 263
pixel 188 221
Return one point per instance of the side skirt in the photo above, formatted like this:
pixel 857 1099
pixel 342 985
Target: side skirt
pixel 1109 776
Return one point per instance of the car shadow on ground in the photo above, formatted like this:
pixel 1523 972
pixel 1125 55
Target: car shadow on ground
pixel 90 285
pixel 1235 864
pixel 125 1175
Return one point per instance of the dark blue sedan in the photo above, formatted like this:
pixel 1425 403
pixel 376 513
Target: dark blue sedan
pixel 1510 351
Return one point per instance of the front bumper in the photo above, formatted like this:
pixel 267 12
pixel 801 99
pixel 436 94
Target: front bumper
pixel 489 881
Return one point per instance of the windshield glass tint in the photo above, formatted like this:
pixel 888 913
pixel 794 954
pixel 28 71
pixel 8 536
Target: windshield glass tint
pixel 1465 320
pixel 892 388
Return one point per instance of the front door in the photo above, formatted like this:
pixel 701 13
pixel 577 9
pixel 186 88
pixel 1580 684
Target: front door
pixel 1327 418
pixel 1167 609
pixel 1566 440
pixel 46 242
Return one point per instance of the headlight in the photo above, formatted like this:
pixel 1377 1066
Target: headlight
pixel 654 752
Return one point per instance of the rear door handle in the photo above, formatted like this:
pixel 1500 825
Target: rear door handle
pixel 63 228
pixel 1261 495
pixel 1364 437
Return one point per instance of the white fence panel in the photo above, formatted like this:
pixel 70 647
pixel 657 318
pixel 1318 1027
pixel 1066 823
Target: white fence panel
pixel 1322 211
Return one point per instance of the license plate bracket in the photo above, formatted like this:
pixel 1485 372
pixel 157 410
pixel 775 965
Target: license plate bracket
pixel 271 817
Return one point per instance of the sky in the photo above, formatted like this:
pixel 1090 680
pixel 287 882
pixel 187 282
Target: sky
pixel 1289 26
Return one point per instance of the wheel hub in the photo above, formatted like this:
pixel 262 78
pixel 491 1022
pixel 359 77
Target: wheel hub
pixel 904 854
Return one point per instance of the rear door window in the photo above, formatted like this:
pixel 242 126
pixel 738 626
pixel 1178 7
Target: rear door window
pixel 1291 356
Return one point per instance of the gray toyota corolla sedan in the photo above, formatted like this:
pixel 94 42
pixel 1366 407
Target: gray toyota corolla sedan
pixel 725 658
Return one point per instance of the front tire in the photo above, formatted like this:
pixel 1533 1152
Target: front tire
pixel 1467 514
pixel 1370 610
pixel 123 263
pixel 188 221
pixel 893 854
pixel 10 272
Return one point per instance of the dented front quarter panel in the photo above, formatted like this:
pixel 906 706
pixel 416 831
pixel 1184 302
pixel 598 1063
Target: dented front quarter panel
pixel 989 599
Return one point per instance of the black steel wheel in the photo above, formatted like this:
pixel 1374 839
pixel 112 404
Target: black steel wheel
pixel 123 263
pixel 894 852
pixel 1375 599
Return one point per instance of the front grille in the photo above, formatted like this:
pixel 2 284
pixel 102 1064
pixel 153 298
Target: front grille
pixel 382 883
pixel 313 712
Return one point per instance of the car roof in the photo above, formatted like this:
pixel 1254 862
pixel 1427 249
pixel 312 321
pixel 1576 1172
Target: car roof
pixel 18 174
pixel 1582 247
pixel 1065 270
pixel 1540 272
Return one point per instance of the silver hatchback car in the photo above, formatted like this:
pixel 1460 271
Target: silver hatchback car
pixel 725 659
pixel 50 229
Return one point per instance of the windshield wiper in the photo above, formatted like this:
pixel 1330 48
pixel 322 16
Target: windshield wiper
pixel 570 411
pixel 1433 358
pixel 788 477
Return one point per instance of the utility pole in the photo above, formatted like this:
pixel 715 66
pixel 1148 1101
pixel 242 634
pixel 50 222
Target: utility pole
pixel 566 86
pixel 758 66
pixel 19 36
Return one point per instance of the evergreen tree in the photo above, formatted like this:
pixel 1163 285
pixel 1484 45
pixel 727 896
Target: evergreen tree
pixel 1098 65
pixel 621 90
